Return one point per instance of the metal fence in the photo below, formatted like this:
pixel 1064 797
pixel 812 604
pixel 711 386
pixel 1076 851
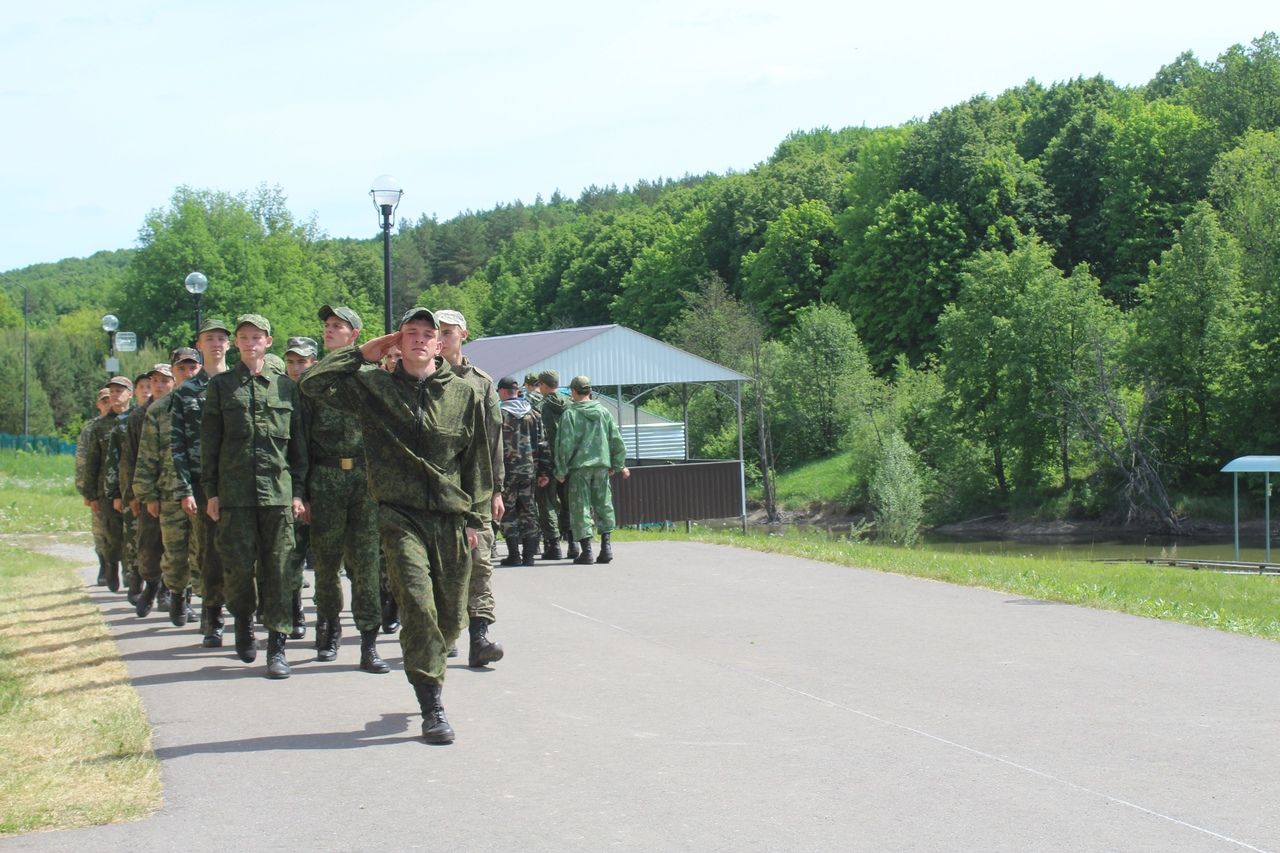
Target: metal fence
pixel 690 491
pixel 36 443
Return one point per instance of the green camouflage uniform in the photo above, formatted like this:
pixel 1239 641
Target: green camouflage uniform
pixel 206 563
pixel 155 478
pixel 83 444
pixel 344 519
pixel 142 532
pixel 553 508
pixel 101 478
pixel 429 474
pixel 526 456
pixel 480 596
pixel 588 445
pixel 253 459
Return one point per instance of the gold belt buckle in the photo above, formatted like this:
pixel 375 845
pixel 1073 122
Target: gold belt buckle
pixel 346 463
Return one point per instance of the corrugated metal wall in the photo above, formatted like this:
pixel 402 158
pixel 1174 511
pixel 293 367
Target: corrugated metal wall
pixel 688 492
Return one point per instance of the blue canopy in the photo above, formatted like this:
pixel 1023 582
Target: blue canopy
pixel 1252 465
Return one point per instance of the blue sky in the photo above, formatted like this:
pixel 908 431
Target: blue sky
pixel 109 106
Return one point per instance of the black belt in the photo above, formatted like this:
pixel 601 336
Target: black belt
pixel 346 463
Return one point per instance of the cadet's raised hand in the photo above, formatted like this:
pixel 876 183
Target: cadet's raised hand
pixel 376 348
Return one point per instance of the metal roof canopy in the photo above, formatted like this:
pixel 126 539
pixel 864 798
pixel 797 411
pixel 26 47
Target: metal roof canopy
pixel 1264 465
pixel 610 355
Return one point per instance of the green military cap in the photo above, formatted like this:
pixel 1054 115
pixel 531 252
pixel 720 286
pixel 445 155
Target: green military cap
pixel 184 354
pixel 453 318
pixel 531 379
pixel 549 377
pixel 419 314
pixel 304 346
pixel 581 384
pixel 255 320
pixel 162 369
pixel 213 324
pixel 122 381
pixel 342 312
pixel 274 362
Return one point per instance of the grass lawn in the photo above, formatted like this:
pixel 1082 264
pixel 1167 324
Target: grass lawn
pixel 75 743
pixel 825 480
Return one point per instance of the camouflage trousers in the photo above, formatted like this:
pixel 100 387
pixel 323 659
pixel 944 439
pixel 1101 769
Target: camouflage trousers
pixel 520 521
pixel 149 546
pixel 175 534
pixel 207 576
pixel 344 521
pixel 254 543
pixel 480 589
pixel 112 531
pixel 99 534
pixel 589 494
pixel 428 568
pixel 129 540
pixel 298 556
pixel 553 510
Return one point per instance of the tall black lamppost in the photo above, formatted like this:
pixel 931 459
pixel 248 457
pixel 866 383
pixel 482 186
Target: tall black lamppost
pixel 196 284
pixel 109 325
pixel 26 361
pixel 386 194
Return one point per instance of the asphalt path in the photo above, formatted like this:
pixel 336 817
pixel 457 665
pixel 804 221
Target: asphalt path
pixel 697 697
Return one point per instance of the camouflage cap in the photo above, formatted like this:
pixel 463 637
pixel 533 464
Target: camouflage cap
pixel 509 383
pixel 140 377
pixel 162 369
pixel 184 354
pixel 271 361
pixel 531 379
pixel 304 346
pixel 342 312
pixel 581 384
pixel 453 318
pixel 419 313
pixel 122 381
pixel 103 393
pixel 549 377
pixel 213 324
pixel 255 320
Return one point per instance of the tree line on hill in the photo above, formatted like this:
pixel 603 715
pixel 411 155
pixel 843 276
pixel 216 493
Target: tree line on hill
pixel 1060 297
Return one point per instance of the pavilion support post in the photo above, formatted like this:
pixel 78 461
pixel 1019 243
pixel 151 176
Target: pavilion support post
pixel 1267 512
pixel 742 457
pixel 1235 493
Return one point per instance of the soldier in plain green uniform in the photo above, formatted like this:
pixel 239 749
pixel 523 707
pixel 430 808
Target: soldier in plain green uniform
pixel 160 490
pixel 253 462
pixel 343 515
pixel 188 408
pixel 99 471
pixel 480 602
pixel 300 353
pixel 103 404
pixel 429 472
pixel 589 448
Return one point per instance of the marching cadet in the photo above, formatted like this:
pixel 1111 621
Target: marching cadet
pixel 526 463
pixel 98 469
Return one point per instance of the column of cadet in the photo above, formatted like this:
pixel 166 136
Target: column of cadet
pixel 391 462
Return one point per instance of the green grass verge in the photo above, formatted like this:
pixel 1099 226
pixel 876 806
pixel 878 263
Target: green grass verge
pixel 826 481
pixel 37 494
pixel 1242 604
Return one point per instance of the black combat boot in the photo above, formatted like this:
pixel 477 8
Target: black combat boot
pixel 483 650
pixel 113 575
pixel 572 553
pixel 146 598
pixel 178 608
pixel 530 551
pixel 606 549
pixel 246 643
pixel 453 650
pixel 322 629
pixel 435 725
pixel 390 613
pixel 369 659
pixel 513 552
pixel 332 634
pixel 102 571
pixel 584 555
pixel 299 618
pixel 551 550
pixel 277 666
pixel 162 598
pixel 135 588
pixel 211 619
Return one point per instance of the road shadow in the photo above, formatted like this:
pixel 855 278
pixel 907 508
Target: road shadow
pixel 380 732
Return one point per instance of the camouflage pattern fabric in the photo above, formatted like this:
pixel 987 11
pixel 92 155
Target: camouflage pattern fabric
pixel 188 410
pixel 526 456
pixel 589 494
pixel 254 543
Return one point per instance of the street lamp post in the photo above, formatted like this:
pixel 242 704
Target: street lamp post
pixel 386 195
pixel 196 283
pixel 109 325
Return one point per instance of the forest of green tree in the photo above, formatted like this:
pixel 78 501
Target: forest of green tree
pixel 1063 298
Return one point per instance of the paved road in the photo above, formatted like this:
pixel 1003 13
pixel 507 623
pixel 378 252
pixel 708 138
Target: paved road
pixel 694 697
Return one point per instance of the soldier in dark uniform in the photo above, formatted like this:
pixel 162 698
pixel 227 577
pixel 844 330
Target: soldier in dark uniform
pixel 553 499
pixel 526 463
pixel 429 472
pixel 299 355
pixel 253 460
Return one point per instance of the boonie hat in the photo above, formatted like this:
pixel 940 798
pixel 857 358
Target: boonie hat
pixel 255 320
pixel 122 381
pixel 419 313
pixel 581 384
pixel 549 377
pixel 509 383
pixel 304 346
pixel 342 312
pixel 162 369
pixel 184 354
pixel 213 324
pixel 453 318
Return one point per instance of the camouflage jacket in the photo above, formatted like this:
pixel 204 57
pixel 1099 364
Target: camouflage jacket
pixel 588 438
pixel 188 406
pixel 253 451
pixel 82 458
pixel 553 406
pixel 525 451
pixel 154 477
pixel 484 384
pixel 423 439
pixel 127 441
pixel 99 468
